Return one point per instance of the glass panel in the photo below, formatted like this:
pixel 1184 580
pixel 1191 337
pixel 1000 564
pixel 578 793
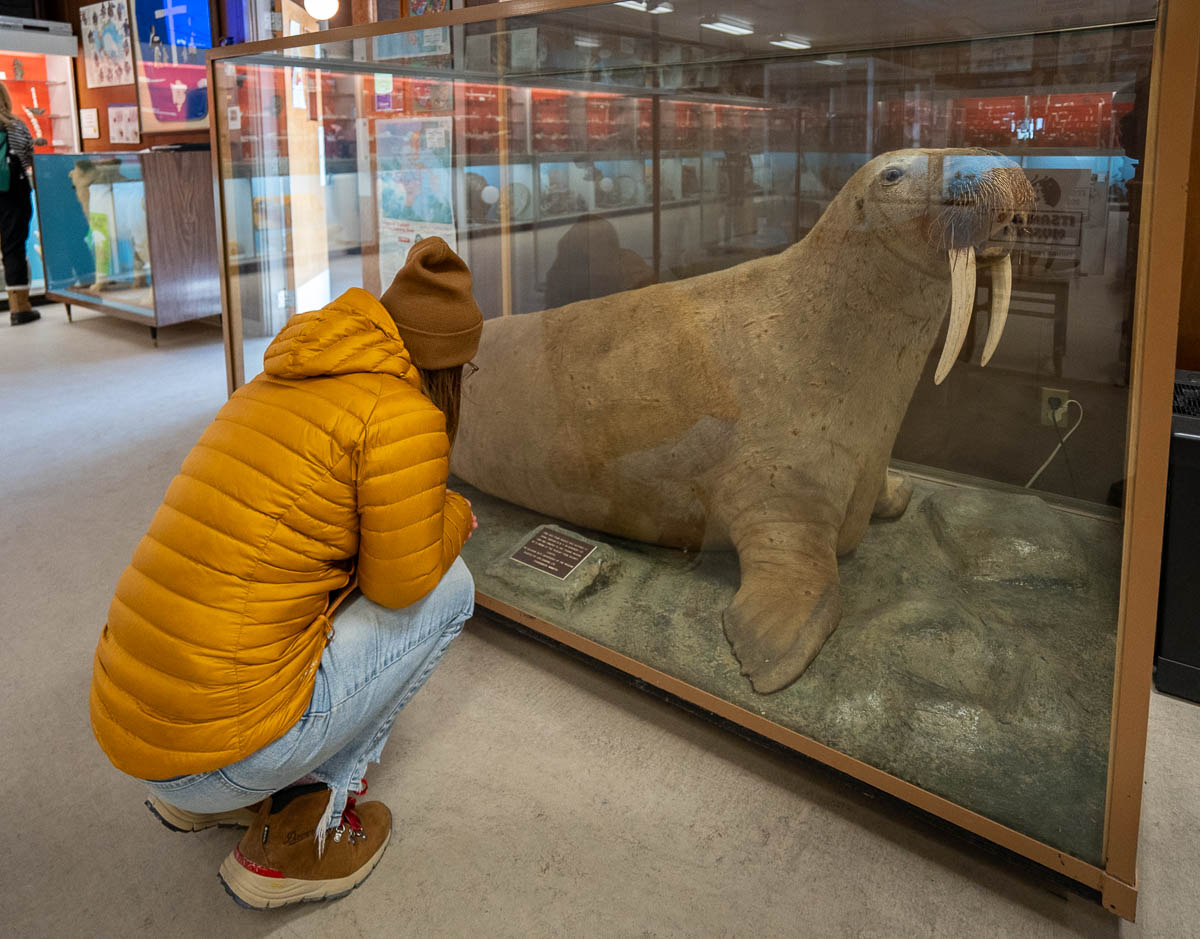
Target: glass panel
pixel 727 279
pixel 97 248
pixel 41 87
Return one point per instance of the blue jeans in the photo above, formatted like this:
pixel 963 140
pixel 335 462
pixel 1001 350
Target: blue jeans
pixel 377 660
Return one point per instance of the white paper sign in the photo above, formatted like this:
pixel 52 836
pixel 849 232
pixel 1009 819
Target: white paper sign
pixel 89 123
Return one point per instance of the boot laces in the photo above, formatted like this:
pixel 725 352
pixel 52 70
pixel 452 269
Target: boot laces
pixel 351 825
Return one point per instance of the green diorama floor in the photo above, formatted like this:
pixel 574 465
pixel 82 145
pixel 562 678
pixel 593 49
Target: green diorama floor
pixel 974 658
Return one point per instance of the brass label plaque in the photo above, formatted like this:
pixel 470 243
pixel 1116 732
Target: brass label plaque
pixel 553 553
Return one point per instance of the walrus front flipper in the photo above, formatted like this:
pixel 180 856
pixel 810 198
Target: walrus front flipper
pixel 788 604
pixel 894 495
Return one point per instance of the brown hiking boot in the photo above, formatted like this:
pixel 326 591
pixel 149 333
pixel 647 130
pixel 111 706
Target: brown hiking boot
pixel 178 819
pixel 20 309
pixel 277 861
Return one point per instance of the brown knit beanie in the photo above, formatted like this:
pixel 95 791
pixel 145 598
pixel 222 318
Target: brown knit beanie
pixel 434 309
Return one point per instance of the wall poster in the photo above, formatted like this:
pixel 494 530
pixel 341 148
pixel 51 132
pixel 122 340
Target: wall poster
pixel 123 124
pixel 107 52
pixel 418 42
pixel 173 37
pixel 414 185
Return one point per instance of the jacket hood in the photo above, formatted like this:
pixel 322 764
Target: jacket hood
pixel 352 334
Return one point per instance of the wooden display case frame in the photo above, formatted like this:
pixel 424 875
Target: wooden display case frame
pixel 1173 98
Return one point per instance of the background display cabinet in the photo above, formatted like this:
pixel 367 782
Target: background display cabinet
pixel 732 430
pixel 130 234
pixel 36 68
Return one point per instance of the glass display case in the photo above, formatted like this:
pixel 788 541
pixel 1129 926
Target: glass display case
pixel 818 385
pixel 42 88
pixel 130 234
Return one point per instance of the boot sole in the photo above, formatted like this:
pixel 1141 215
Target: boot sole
pixel 256 892
pixel 178 819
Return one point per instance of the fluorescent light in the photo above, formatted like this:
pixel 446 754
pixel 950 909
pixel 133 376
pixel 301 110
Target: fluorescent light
pixel 728 24
pixel 788 41
pixel 832 60
pixel 587 42
pixel 644 6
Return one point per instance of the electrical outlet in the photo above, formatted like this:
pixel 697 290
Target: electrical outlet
pixel 1052 415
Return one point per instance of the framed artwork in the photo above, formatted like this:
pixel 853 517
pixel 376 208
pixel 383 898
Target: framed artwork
pixel 173 37
pixel 107 52
pixel 123 124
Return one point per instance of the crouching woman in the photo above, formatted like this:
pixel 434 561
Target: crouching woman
pixel 240 674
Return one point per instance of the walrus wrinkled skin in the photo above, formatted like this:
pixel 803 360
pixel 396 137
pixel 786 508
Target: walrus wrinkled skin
pixel 754 407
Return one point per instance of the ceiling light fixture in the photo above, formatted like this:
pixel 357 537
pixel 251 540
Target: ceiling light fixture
pixel 639 5
pixel 663 7
pixel 788 41
pixel 321 9
pixel 587 42
pixel 727 24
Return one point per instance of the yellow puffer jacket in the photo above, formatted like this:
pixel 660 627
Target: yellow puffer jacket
pixel 217 628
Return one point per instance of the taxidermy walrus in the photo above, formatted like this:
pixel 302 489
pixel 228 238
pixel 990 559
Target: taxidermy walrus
pixel 754 407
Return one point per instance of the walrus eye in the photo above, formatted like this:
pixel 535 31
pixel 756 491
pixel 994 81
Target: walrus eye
pixel 892 174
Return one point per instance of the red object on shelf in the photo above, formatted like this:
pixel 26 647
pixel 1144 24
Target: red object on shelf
pixel 551 121
pixel 987 122
pixel 481 117
pixel 1060 120
pixel 30 94
pixel 1073 120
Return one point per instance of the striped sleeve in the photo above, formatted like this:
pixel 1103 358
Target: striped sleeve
pixel 20 142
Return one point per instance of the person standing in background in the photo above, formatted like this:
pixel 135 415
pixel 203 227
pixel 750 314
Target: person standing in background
pixel 16 209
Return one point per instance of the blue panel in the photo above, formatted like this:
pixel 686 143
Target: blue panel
pixel 172 36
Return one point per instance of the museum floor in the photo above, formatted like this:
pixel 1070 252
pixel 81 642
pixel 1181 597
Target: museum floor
pixel 533 796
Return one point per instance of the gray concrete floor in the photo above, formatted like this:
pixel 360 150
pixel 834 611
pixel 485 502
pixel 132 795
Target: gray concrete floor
pixel 533 796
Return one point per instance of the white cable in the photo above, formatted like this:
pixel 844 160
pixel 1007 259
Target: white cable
pixel 1050 459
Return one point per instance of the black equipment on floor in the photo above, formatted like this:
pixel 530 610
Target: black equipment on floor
pixel 1177 650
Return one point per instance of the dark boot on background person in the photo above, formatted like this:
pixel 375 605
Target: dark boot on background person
pixel 20 310
pixel 278 861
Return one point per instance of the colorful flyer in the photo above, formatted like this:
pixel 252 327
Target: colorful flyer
pixel 173 38
pixel 414 185
pixel 107 50
pixel 417 42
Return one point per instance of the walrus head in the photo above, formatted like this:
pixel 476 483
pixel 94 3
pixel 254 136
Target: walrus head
pixel 957 208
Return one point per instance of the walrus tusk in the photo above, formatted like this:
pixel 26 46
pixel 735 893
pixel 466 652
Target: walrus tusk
pixel 1001 294
pixel 962 305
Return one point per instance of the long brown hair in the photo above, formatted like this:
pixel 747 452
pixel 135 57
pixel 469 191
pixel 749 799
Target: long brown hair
pixel 6 111
pixel 443 386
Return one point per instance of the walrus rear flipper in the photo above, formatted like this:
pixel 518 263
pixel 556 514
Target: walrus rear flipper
pixel 789 601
